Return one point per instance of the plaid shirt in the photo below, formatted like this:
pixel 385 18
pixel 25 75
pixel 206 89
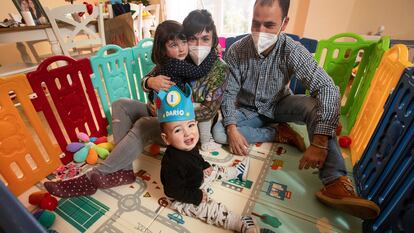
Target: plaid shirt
pixel 255 83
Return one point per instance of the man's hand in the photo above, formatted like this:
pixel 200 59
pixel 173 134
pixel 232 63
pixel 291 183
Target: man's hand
pixel 315 157
pixel 237 142
pixel 159 82
pixel 208 171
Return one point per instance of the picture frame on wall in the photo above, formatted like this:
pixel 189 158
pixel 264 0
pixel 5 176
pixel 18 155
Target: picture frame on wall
pixel 34 7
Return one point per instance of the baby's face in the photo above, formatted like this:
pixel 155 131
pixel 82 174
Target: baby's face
pixel 182 135
pixel 177 49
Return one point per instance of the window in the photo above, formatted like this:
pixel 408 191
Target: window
pixel 232 17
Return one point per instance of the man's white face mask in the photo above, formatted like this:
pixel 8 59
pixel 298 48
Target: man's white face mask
pixel 199 53
pixel 263 40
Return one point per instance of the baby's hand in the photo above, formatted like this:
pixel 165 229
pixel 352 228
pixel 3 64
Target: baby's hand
pixel 205 197
pixel 208 171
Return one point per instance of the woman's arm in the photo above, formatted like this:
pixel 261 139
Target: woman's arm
pixel 209 91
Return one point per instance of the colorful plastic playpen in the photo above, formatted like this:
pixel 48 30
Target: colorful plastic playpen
pixel 376 83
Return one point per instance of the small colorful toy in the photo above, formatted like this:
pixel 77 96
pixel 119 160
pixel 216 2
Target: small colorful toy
pixel 268 219
pixel 89 148
pixel 345 141
pixel 44 200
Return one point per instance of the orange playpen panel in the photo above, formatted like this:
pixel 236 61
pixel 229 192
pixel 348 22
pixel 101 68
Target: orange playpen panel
pixel 21 161
pixel 392 65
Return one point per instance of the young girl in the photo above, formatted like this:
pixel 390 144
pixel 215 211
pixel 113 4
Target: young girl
pixel 169 53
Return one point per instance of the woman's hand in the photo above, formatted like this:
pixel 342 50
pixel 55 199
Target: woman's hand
pixel 159 82
pixel 152 109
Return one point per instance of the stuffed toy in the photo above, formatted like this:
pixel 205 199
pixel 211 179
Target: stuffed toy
pixel 89 148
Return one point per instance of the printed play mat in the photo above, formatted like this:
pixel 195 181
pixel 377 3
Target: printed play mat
pixel 277 194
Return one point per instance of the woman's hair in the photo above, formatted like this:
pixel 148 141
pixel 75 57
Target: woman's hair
pixel 166 31
pixel 198 21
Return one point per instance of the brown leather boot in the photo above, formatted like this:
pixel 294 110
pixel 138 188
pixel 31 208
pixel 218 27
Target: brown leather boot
pixel 80 186
pixel 340 194
pixel 289 136
pixel 114 179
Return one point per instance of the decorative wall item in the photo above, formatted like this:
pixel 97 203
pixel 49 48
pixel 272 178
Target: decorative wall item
pixel 35 9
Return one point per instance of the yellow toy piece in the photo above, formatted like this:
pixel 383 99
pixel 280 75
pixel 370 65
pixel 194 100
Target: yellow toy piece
pixel 146 13
pixel 392 65
pixel 107 145
pixel 21 162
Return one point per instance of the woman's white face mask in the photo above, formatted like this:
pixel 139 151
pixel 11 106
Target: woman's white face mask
pixel 198 53
pixel 263 40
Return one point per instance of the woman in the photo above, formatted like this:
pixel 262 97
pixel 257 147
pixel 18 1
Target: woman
pixel 134 126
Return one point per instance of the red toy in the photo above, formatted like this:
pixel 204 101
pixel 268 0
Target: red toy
pixel 44 200
pixel 154 149
pixel 344 141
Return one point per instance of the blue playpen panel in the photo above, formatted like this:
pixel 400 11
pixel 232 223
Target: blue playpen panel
pixel 385 173
pixel 398 214
pixel 393 133
pixel 15 218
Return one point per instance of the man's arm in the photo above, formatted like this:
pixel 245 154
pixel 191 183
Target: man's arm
pixel 228 107
pixel 321 87
pixel 237 142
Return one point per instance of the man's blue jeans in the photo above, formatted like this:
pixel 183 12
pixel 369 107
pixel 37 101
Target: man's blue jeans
pixel 294 108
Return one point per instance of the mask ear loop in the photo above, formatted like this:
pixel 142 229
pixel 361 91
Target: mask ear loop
pixel 281 25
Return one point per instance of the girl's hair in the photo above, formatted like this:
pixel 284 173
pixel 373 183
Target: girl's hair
pixel 166 31
pixel 198 21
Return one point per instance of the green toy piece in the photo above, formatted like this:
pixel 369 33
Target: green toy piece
pixel 268 219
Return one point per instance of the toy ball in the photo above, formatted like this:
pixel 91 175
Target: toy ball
pixel 36 197
pixel 344 141
pixel 44 200
pixel 45 218
pixel 48 203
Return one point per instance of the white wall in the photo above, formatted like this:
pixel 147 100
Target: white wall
pixel 396 16
pixel 328 17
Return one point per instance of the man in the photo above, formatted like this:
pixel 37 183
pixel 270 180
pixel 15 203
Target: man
pixel 257 94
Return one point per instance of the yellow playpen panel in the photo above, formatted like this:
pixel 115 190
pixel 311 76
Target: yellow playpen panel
pixel 392 65
pixel 21 161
